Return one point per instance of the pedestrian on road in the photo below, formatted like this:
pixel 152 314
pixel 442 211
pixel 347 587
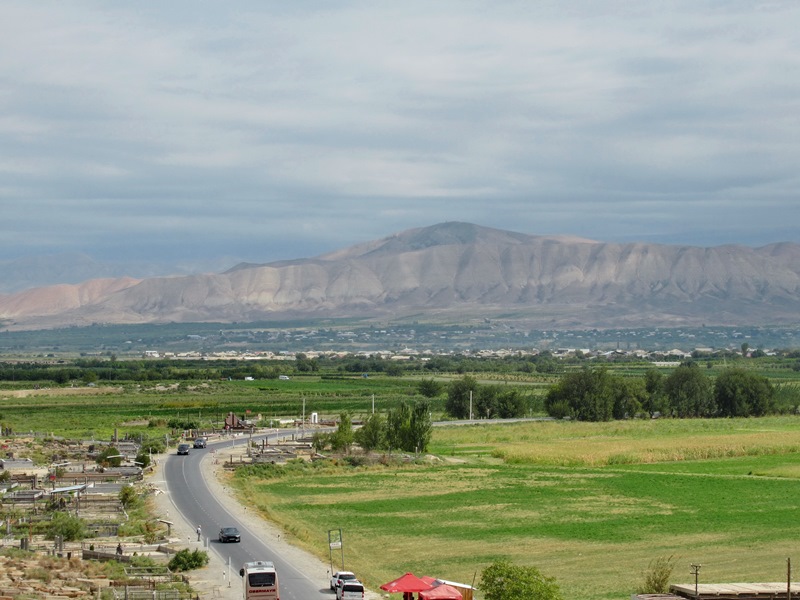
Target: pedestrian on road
pixel 199 533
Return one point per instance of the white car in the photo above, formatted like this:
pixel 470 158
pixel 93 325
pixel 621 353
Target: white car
pixel 341 576
pixel 351 589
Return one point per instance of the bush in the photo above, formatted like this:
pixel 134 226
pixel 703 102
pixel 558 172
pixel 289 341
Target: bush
pixel 109 457
pixel 128 496
pixel 656 578
pixel 70 528
pixel 186 560
pixel 503 581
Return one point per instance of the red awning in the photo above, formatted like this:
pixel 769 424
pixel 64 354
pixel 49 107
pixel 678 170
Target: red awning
pixel 441 592
pixel 407 583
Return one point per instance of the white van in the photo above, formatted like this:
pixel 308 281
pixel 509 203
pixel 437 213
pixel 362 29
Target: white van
pixel 350 590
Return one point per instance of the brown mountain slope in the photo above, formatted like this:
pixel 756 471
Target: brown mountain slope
pixel 455 271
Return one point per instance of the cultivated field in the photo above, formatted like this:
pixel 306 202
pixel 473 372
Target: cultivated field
pixel 588 504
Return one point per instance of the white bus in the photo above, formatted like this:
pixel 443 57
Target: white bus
pixel 260 580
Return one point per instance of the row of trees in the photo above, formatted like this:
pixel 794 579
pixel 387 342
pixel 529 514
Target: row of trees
pixel 597 395
pixel 406 427
pixel 466 398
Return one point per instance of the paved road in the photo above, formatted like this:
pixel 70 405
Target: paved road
pixel 195 501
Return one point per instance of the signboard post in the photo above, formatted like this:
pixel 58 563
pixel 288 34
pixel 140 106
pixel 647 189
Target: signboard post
pixel 336 542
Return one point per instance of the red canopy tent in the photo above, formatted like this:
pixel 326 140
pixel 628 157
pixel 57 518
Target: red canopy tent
pixel 408 584
pixel 441 592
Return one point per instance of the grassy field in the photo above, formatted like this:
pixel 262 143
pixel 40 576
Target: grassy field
pixel 588 504
pixel 557 496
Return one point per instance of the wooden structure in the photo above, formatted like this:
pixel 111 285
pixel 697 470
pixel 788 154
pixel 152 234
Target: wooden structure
pixel 737 591
pixel 232 422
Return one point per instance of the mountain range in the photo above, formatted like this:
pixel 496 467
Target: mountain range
pixel 451 272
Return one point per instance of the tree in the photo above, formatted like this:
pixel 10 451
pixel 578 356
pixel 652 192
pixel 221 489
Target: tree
pixel 503 581
pixel 143 458
pixel 89 377
pixel 128 496
pixel 654 401
pixel 320 440
pixel 586 395
pixel 409 427
pixel 372 434
pixel 420 427
pixel 69 527
pixel 109 457
pixel 430 388
pixel 342 438
pixel 628 397
pixel 689 392
pixel 395 420
pixel 486 401
pixel 510 404
pixel 393 370
pixel 458 396
pixel 740 393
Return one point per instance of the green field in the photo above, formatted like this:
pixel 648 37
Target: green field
pixel 590 504
pixel 97 411
pixel 566 504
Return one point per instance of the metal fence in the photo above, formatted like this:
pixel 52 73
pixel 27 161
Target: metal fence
pixel 139 593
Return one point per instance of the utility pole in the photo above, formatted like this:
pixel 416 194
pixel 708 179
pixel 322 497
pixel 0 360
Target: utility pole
pixel 696 572
pixel 788 579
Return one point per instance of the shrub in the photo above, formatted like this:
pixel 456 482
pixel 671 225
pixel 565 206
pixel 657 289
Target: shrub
pixel 504 581
pixel 70 528
pixel 39 573
pixel 656 578
pixel 186 560
pixel 128 496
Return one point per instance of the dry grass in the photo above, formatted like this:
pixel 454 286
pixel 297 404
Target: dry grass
pixel 628 442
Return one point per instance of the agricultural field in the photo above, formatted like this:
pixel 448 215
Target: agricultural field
pixel 135 408
pixel 590 504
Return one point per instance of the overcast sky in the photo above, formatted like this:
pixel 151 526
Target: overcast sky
pixel 265 130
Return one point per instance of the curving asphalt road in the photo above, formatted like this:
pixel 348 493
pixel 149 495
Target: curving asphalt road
pixel 197 504
pixel 194 500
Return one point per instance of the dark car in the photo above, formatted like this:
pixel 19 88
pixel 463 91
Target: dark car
pixel 229 534
pixel 183 448
pixel 200 443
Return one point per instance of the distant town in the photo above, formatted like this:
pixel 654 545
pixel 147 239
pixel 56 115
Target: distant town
pixel 274 340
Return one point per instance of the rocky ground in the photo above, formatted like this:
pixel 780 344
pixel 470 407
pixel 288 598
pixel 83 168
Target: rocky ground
pixel 48 577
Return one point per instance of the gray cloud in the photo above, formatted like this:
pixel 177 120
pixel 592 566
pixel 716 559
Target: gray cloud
pixel 266 131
